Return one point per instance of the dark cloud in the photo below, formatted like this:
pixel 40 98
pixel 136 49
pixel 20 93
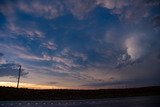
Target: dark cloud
pixel 1 54
pixel 10 69
pixel 129 83
pixel 153 2
pixel 52 83
pixel 156 21
pixel 104 84
pixel 158 56
pixel 125 60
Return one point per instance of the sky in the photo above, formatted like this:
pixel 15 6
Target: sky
pixel 80 44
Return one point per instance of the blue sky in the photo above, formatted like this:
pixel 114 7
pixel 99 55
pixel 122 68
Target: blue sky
pixel 80 43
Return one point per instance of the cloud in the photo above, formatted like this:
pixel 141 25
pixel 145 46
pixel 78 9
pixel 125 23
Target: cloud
pixel 134 46
pixel 1 54
pixel 156 22
pixel 2 61
pixel 112 4
pixel 10 69
pixel 134 50
pixel 74 54
pixel 24 31
pixel 60 63
pixel 7 8
pixel 112 34
pixel 124 60
pixel 153 2
pixel 49 45
pixel 52 83
pixel 66 61
pixel 131 11
pixel 30 57
pixel 13 48
pixel 60 59
pixel 39 8
pixel 115 84
pixel 104 84
pixel 50 9
pixel 80 8
pixel 29 39
pixel 158 56
pixel 143 74
pixel 89 76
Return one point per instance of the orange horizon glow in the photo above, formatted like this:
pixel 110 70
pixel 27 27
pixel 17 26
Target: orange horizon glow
pixel 28 85
pixel 38 86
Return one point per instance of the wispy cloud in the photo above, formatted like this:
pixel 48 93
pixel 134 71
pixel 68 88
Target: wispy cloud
pixel 70 53
pixel 49 45
pixel 2 61
pixel 156 22
pixel 129 10
pixel 12 47
pixel 80 8
pixel 10 69
pixel 112 4
pixel 48 10
pixel 22 31
pixel 51 9
pixel 30 57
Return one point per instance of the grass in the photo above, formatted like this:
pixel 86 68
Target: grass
pixel 11 94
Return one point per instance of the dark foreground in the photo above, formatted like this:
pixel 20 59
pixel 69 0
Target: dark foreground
pixel 145 101
pixel 14 94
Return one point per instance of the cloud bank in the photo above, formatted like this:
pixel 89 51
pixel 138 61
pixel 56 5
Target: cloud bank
pixel 81 43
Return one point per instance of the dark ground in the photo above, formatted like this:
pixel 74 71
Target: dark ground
pixel 14 94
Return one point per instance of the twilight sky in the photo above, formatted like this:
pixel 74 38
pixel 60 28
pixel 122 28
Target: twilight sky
pixel 80 43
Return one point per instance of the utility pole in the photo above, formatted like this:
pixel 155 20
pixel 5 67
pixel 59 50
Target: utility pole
pixel 19 74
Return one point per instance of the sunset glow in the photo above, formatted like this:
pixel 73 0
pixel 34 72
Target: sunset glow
pixel 28 85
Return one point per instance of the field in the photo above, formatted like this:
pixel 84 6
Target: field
pixel 14 94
